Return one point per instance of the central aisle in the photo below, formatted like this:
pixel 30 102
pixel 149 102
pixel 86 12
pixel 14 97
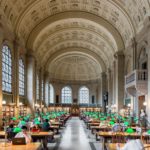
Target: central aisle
pixel 74 136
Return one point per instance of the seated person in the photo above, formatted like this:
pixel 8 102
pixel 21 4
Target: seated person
pixel 24 134
pixel 104 123
pixel 131 144
pixel 116 127
pixel 10 133
pixel 45 125
pixel 35 128
pixel 138 129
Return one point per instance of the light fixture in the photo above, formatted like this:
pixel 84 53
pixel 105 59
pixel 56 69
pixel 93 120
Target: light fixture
pixel 144 103
pixel 20 104
pixel 4 102
pixel 129 105
pixel 37 105
pixel 107 106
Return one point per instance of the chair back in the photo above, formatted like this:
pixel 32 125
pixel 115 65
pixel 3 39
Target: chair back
pixel 118 137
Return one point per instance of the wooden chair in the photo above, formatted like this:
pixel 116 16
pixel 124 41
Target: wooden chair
pixel 118 137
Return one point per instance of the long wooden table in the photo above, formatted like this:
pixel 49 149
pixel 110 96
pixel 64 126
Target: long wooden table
pixel 106 135
pixel 29 146
pixel 33 134
pixel 112 146
pixel 98 128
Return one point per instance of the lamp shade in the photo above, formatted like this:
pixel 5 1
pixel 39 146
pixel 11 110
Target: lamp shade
pixel 17 130
pixel 130 130
pixel 111 123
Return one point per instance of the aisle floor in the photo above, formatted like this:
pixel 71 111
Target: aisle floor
pixel 76 137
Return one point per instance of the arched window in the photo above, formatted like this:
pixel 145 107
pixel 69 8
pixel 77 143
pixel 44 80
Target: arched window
pixel 66 95
pixel 21 78
pixel 51 93
pixel 84 95
pixel 6 69
pixel 37 87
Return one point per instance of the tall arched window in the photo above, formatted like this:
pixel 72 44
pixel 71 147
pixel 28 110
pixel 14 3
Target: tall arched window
pixel 66 95
pixel 84 95
pixel 51 93
pixel 6 69
pixel 37 87
pixel 21 78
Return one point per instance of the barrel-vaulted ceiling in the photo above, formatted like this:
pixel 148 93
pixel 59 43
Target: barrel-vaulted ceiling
pixel 80 33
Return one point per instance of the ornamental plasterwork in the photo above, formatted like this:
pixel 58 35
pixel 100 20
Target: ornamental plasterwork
pixel 122 14
pixel 108 10
pixel 76 35
pixel 75 67
pixel 78 24
pixel 79 44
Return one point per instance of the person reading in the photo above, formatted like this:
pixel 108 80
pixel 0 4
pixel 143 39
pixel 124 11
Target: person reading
pixel 131 144
pixel 24 134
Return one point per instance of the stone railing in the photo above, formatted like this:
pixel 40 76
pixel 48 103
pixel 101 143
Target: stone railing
pixel 136 75
pixel 137 81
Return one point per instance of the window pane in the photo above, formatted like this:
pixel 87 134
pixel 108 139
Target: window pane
pixel 84 95
pixel 21 78
pixel 6 69
pixel 66 95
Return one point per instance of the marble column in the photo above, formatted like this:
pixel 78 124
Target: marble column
pixel 40 87
pixel 31 82
pixel 114 83
pixel 148 95
pixel 1 93
pixel 46 77
pixel 16 77
pixel 99 102
pixel 109 79
pixel 120 59
pixel 103 87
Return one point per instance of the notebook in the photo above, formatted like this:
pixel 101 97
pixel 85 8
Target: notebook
pixel 19 141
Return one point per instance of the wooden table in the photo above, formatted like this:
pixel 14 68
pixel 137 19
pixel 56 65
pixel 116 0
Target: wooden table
pixel 33 134
pixel 55 127
pixel 112 146
pixel 41 134
pixel 29 146
pixel 98 128
pixel 106 135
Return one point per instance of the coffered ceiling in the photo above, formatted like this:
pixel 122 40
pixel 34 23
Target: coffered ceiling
pixel 88 32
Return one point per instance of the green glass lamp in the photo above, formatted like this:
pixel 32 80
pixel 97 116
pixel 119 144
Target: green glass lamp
pixel 17 130
pixel 129 130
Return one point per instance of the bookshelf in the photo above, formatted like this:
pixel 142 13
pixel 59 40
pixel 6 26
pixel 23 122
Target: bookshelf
pixel 22 110
pixel 8 111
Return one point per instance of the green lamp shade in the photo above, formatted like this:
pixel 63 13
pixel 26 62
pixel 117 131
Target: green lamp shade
pixel 37 122
pixel 148 131
pixel 17 130
pixel 112 119
pixel 126 123
pixel 14 118
pixel 102 119
pixel 111 123
pixel 130 130
pixel 23 122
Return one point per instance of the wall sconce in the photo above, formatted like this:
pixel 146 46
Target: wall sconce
pixel 129 105
pixel 20 104
pixel 37 105
pixel 3 102
pixel 144 103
